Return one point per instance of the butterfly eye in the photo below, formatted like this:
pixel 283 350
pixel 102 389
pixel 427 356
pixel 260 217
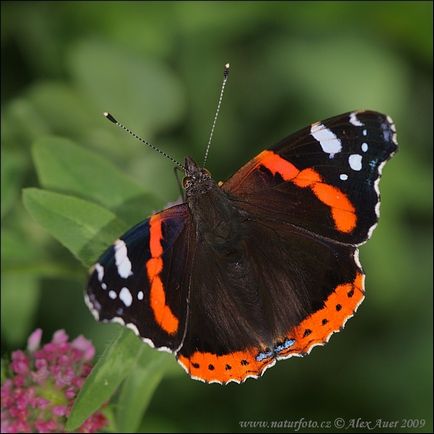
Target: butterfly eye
pixel 206 172
pixel 186 181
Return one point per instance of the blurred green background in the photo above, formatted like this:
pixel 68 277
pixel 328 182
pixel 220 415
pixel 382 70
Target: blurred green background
pixel 158 67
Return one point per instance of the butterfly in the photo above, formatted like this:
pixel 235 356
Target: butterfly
pixel 261 267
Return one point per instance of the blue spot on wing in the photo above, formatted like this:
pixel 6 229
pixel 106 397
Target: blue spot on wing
pixel 288 343
pixel 263 356
pixel 276 350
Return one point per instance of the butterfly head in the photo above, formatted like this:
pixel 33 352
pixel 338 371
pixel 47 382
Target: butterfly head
pixel 197 179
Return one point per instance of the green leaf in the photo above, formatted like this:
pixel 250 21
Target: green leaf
pixel 84 228
pixel 111 78
pixel 64 166
pixel 12 251
pixel 13 168
pixel 114 366
pixel 138 389
pixel 32 260
pixel 64 110
pixel 21 124
pixel 19 301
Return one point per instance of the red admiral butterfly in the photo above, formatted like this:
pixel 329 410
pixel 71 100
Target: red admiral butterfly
pixel 261 267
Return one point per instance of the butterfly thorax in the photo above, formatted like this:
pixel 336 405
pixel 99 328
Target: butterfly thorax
pixel 217 221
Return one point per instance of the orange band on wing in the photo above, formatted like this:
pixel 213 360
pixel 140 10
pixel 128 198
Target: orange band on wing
pixel 314 330
pixel 332 196
pixel 162 312
pixel 235 366
pixel 338 308
pixel 345 220
pixel 307 178
pixel 156 235
pixel 342 210
pixel 154 266
pixel 276 164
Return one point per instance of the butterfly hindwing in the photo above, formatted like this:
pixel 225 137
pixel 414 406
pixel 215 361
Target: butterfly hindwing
pixel 261 304
pixel 323 178
pixel 142 280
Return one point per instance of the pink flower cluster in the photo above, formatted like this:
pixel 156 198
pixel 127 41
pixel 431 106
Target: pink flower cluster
pixel 39 394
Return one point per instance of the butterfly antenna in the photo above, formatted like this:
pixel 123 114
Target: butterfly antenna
pixel 112 119
pixel 225 79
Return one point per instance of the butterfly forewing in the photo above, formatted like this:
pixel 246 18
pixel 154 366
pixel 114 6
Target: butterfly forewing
pixel 142 280
pixel 323 178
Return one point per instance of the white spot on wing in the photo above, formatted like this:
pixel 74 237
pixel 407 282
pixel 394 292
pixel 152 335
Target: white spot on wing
pixel 377 205
pixel 364 147
pixel 365 132
pixel 343 176
pixel 393 128
pixel 356 259
pixel 148 342
pixel 354 120
pixel 100 271
pixel 140 295
pixel 377 181
pixel 121 257
pixel 326 138
pixel 89 304
pixel 133 327
pixel 392 124
pixel 125 296
pixel 103 286
pixel 112 294
pixel 355 161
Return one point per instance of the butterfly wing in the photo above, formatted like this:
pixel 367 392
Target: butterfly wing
pixel 323 179
pixel 142 280
pixel 284 293
pixel 296 280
